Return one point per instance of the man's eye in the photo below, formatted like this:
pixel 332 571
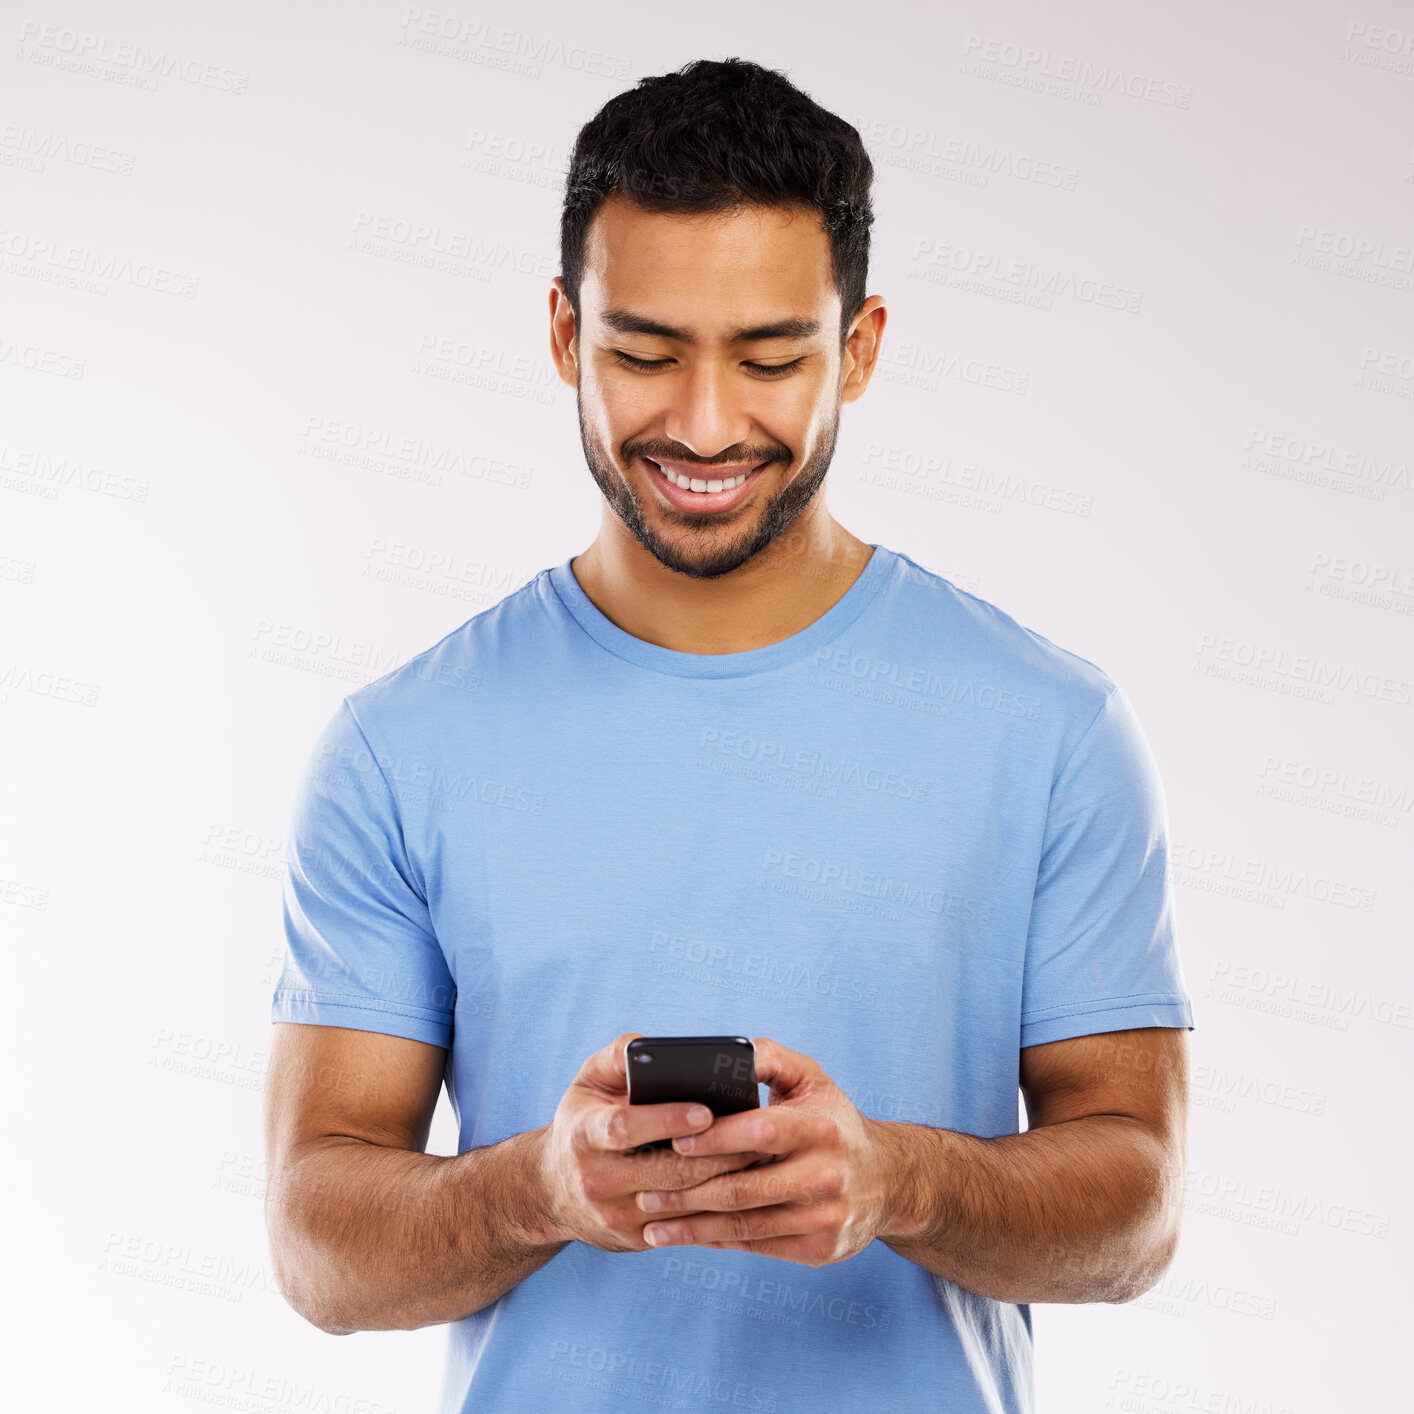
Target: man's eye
pixel 643 365
pixel 775 370
pixel 647 365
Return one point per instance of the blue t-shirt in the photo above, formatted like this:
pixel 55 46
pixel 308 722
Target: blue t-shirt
pixel 907 841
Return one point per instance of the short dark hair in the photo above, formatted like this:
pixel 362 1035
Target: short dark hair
pixel 721 134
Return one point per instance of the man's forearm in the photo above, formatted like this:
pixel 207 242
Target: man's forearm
pixel 1086 1210
pixel 372 1238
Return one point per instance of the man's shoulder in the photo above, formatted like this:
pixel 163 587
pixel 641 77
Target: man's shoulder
pixel 965 632
pixel 446 676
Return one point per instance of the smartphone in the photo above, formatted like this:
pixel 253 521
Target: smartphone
pixel 717 1071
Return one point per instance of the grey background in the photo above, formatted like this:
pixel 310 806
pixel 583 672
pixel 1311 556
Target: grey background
pixel 278 412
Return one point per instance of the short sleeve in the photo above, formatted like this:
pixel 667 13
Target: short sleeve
pixel 1101 954
pixel 360 949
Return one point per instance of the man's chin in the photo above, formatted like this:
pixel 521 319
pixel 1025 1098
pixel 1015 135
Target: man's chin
pixel 702 552
pixel 700 546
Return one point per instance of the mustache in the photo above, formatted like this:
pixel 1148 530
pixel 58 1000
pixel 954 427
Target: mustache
pixel 750 457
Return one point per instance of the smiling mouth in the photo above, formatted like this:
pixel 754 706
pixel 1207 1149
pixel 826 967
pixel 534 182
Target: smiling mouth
pixel 692 488
pixel 706 483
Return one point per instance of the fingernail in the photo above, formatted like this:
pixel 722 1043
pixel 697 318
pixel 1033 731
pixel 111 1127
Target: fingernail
pixel 650 1236
pixel 652 1202
pixel 685 1144
pixel 699 1114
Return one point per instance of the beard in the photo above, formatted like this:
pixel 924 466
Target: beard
pixel 705 549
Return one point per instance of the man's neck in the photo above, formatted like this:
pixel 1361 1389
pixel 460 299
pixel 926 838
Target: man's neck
pixel 775 594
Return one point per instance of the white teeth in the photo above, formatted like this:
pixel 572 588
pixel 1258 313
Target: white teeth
pixel 697 484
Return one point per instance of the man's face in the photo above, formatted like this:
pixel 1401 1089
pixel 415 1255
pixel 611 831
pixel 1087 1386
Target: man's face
pixel 707 347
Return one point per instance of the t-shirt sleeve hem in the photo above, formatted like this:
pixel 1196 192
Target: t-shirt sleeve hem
pixel 361 1014
pixel 1061 1023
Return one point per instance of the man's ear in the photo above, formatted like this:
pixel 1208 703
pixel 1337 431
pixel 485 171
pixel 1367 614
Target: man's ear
pixel 564 334
pixel 862 345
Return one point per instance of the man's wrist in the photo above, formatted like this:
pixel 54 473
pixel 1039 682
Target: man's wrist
pixel 531 1205
pixel 910 1164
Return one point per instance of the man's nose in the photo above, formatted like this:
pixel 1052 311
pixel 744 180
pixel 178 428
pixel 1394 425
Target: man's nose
pixel 707 414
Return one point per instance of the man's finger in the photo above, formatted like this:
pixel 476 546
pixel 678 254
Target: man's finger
pixel 657 1169
pixel 605 1069
pixel 731 1229
pixel 621 1126
pixel 776 1129
pixel 727 1193
pixel 780 1067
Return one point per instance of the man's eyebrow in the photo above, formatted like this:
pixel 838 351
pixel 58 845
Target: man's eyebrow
pixel 625 321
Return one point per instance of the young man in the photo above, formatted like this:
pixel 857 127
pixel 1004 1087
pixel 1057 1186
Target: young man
pixel 730 771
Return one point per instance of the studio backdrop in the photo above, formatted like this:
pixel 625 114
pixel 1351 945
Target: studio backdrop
pixel 277 412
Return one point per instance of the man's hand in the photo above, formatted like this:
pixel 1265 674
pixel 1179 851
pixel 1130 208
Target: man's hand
pixel 590 1171
pixel 829 1193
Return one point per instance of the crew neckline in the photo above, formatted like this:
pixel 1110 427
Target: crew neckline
pixel 833 622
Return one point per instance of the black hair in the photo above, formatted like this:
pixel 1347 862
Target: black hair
pixel 716 135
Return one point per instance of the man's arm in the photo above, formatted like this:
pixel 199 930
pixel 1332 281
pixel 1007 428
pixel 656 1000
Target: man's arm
pixel 1085 1205
pixel 367 1232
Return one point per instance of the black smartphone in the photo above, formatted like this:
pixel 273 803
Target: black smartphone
pixel 717 1071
